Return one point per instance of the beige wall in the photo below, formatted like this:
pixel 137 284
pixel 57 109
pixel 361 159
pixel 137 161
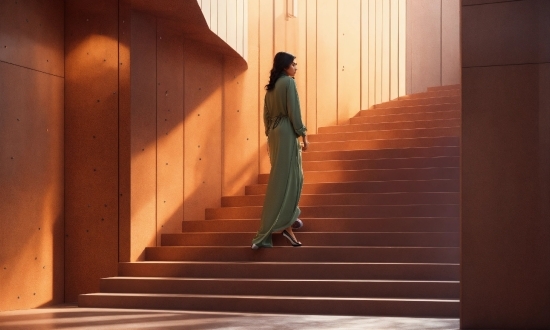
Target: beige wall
pixel 433 44
pixel 505 282
pixel 228 20
pixel 31 154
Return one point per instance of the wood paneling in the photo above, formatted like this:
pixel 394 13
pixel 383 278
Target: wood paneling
pixel 364 41
pixel 349 60
pixel 394 49
pixel 386 54
pixel 266 53
pixel 371 59
pixel 327 62
pixel 311 63
pixel 450 43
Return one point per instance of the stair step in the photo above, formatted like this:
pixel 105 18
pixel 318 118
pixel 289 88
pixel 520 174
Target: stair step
pixel 339 211
pixel 291 287
pixel 353 199
pixel 430 94
pixel 304 253
pixel 276 304
pixel 396 125
pixel 328 224
pixel 442 141
pixel 444 88
pixel 345 239
pixel 449 173
pixel 384 163
pixel 294 270
pixel 441 185
pixel 429 109
pixel 445 151
pixel 387 134
pixel 421 101
pixel 399 115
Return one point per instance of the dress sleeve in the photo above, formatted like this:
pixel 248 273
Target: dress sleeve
pixel 293 106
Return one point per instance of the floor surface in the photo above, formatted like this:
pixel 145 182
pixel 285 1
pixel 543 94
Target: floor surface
pixel 72 317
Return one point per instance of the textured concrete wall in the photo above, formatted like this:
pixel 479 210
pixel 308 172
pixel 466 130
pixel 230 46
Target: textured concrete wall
pixel 91 144
pixel 31 154
pixel 505 165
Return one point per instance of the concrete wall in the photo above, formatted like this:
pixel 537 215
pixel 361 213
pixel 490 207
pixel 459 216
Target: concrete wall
pixel 31 154
pixel 91 144
pixel 433 44
pixel 505 165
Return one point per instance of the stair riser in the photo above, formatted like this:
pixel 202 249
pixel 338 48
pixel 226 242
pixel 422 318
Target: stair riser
pixel 389 163
pixel 303 254
pixel 420 108
pixel 378 211
pixel 387 116
pixel 449 173
pixel 284 305
pixel 451 151
pixel 306 270
pixel 423 101
pixel 335 225
pixel 388 134
pixel 318 239
pixel 345 289
pixel 432 94
pixel 369 187
pixel 446 141
pixel 352 199
pixel 444 88
pixel 422 124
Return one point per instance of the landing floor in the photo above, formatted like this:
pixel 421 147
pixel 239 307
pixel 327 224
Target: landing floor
pixel 71 317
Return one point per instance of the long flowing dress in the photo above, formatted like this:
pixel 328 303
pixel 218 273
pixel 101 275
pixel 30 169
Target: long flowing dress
pixel 283 125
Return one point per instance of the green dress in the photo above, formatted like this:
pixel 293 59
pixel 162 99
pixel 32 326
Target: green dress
pixel 283 125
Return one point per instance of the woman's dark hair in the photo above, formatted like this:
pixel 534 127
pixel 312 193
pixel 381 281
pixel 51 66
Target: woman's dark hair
pixel 281 61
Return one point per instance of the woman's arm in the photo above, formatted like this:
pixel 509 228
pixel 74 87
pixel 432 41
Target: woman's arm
pixel 294 111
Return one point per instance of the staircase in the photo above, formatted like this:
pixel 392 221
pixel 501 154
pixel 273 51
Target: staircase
pixel 380 206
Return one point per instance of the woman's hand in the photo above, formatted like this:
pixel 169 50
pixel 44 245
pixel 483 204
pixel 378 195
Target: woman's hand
pixel 305 142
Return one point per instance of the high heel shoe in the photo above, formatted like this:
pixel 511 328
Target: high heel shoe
pixel 292 240
pixel 255 247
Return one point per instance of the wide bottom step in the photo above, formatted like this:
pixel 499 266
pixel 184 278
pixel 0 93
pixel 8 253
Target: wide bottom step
pixel 277 304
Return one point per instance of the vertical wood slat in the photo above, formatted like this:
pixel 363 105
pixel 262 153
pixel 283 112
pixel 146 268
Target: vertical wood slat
pixel 385 50
pixel 394 49
pixel 311 75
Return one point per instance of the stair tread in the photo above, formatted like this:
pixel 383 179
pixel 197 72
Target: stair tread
pixel 206 279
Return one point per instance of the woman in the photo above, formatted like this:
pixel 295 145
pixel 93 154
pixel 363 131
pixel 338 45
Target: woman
pixel 283 125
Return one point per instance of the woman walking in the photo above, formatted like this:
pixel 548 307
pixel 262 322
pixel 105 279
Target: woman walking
pixel 283 125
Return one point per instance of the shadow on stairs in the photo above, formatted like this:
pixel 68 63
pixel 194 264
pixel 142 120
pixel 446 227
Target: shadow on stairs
pixel 380 207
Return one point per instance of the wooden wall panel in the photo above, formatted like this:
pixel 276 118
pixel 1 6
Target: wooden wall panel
pixel 386 54
pixel 169 133
pixel 301 53
pixel 206 10
pixel 214 16
pixel 327 62
pixel 279 26
pixel 266 35
pixel 450 42
pixel 364 54
pixel 311 63
pixel 231 17
pixel 379 35
pixel 203 74
pixel 402 47
pixel 240 27
pixel 91 144
pixel 425 37
pixel 349 59
pixel 222 20
pixel 394 49
pixel 143 133
pixel 372 53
